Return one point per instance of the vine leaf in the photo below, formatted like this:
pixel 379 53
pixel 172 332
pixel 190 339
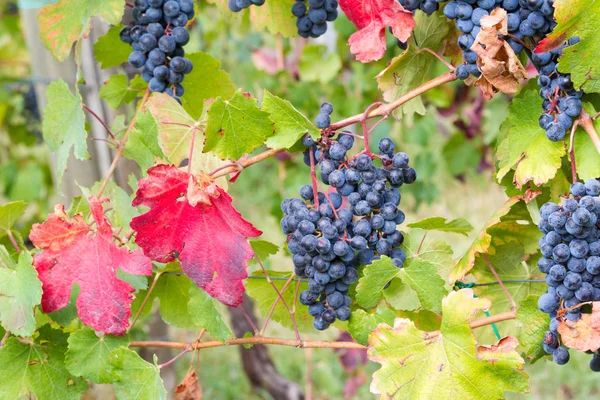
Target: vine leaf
pixel 20 292
pixel 263 249
pixel 264 296
pixel 369 290
pixel 372 17
pixel 290 124
pixel 205 313
pixel 534 325
pixel 88 354
pixel 173 291
pixel 416 364
pixel 175 131
pixel 65 22
pixel 401 296
pixel 109 50
pixel 205 81
pixel 500 67
pixel 236 127
pixel 437 252
pixel 422 276
pixel 118 91
pixel 584 334
pixel 459 225
pixel 10 214
pixel 525 148
pixel 410 69
pixel 573 18
pixel 142 145
pixel 134 378
pixel 362 323
pixel 511 223
pixel 39 368
pixel 64 123
pixel 74 253
pixel 192 219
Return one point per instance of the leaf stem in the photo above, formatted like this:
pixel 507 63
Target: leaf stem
pixel 13 241
pixel 283 289
pixel 588 125
pixel 191 155
pixel 186 350
pixel 89 110
pixel 363 123
pixel 246 163
pixel 510 298
pixel 254 328
pixel 572 151
pixel 121 147
pixel 148 293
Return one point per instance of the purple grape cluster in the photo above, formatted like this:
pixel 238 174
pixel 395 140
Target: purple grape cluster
pixel 562 102
pixel 313 15
pixel 427 6
pixel 570 251
pixel 157 38
pixel 329 242
pixel 526 19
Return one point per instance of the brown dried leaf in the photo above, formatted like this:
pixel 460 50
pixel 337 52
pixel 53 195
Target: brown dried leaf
pixel 584 334
pixel 189 388
pixel 501 70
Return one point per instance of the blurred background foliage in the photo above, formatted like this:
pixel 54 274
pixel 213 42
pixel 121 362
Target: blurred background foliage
pixel 451 147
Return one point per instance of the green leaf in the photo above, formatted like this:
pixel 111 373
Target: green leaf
pixel 67 21
pixel 236 127
pixel 401 296
pixel 437 252
pixel 109 50
pixel 134 378
pixel 9 214
pixel 578 18
pixel 64 124
pixel 265 296
pixel 289 124
pixel 174 294
pixel 176 140
pixel 142 145
pixel 205 81
pixel 586 155
pixel 411 68
pixel 534 325
pixel 20 292
pixel 369 290
pixel 118 91
pixel 263 249
pixel 361 323
pixel 39 368
pixel 318 66
pixel 205 312
pixel 451 365
pixel 275 17
pixel 525 147
pixel 459 225
pixel 422 276
pixel 88 354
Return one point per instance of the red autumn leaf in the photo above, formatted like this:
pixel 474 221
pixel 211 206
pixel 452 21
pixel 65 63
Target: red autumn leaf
pixel 75 253
pixel 372 17
pixel 192 219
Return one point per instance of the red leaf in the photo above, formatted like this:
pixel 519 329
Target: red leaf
pixel 372 17
pixel 74 253
pixel 193 219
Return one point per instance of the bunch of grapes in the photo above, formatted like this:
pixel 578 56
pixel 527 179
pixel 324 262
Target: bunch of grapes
pixel 571 259
pixel 562 102
pixel 157 38
pixel 329 242
pixel 427 6
pixel 239 5
pixel 526 19
pixel 312 18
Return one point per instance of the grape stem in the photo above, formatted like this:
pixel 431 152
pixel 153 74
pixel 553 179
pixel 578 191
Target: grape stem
pixel 313 177
pixel 121 146
pixel 305 344
pixel 363 123
pixel 506 292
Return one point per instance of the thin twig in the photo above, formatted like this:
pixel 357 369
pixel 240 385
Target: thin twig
pixel 510 298
pixel 246 163
pixel 148 293
pixel 305 344
pixel 279 297
pixel 171 361
pixel 121 148
pixel 388 108
pixel 436 55
pixel 13 241
pixel 283 289
pixel 89 110
pixel 572 151
pixel 588 125
pixel 422 241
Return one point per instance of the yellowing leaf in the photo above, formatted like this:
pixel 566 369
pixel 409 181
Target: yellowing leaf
pixel 584 334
